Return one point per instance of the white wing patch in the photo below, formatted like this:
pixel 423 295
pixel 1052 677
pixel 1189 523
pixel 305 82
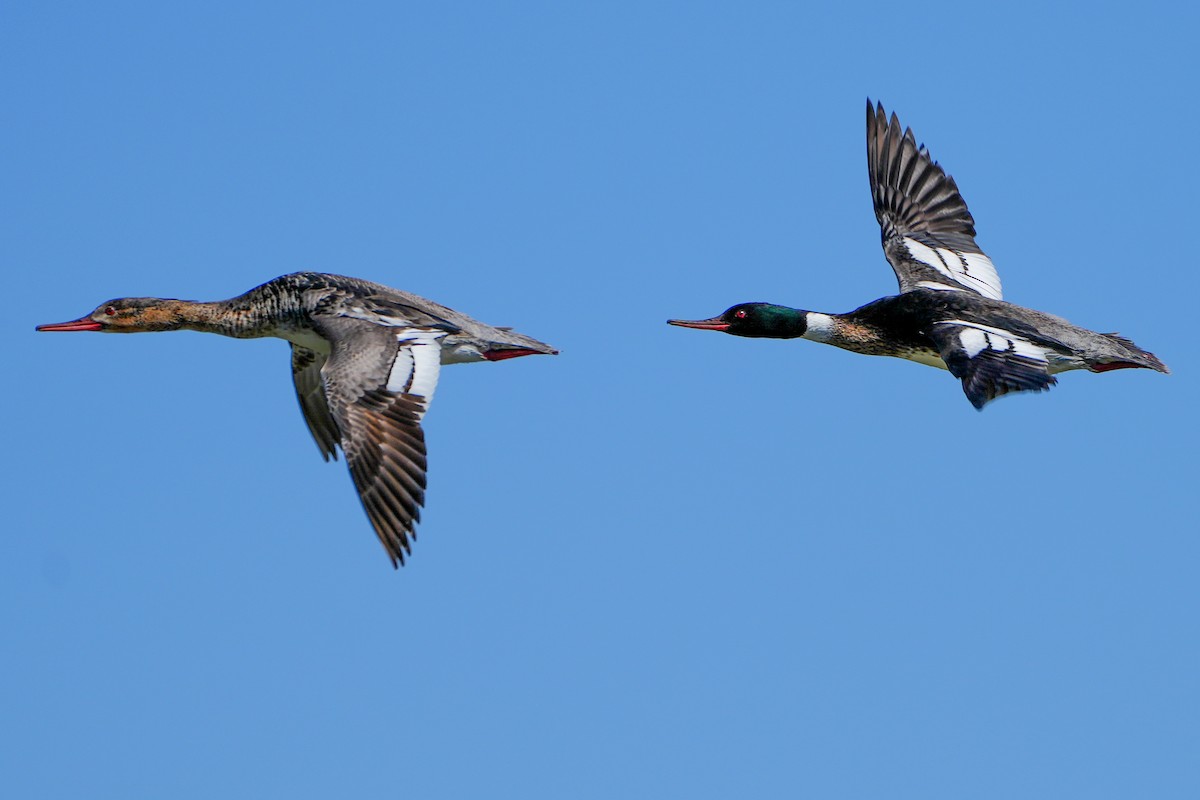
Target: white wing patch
pixel 427 363
pixel 418 361
pixel 973 341
pixel 976 338
pixel 975 271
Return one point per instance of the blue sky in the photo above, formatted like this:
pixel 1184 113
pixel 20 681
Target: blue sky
pixel 665 563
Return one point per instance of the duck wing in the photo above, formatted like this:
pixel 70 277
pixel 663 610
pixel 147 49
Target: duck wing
pixel 379 381
pixel 991 361
pixel 928 233
pixel 383 305
pixel 399 309
pixel 310 391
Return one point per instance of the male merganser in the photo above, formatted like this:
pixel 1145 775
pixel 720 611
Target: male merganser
pixel 365 361
pixel 949 312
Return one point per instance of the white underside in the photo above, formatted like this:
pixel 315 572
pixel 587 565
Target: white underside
pixel 460 353
pixel 926 358
pixel 308 338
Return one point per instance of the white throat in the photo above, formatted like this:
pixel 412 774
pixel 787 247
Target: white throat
pixel 818 327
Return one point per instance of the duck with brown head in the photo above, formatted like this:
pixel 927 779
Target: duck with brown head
pixel 365 362
pixel 130 315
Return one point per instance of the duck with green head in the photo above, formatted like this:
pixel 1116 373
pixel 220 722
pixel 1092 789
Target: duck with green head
pixel 950 312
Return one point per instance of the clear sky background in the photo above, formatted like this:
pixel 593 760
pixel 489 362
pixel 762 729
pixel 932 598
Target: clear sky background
pixel 666 563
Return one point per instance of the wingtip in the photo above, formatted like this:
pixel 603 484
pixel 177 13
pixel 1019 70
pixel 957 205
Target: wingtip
pixel 396 553
pixel 875 113
pixel 975 396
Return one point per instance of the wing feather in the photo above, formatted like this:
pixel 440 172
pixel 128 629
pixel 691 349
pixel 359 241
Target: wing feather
pixel 990 361
pixel 928 233
pixel 310 391
pixel 379 382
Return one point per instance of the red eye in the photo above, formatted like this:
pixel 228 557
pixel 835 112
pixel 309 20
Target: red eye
pixel 740 314
pixel 112 312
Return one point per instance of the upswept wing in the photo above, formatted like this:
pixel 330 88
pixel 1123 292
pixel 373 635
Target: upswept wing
pixel 928 234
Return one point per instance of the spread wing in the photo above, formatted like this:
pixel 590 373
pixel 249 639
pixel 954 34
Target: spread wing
pixel 310 390
pixel 379 382
pixel 928 233
pixel 990 361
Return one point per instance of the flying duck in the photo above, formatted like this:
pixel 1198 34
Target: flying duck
pixel 950 312
pixel 365 361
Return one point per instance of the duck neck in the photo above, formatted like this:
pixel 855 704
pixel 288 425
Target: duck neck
pixel 223 317
pixel 818 327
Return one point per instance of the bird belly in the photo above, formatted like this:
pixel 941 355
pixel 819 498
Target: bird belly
pixel 929 358
pixel 305 337
pixel 1061 362
pixel 457 351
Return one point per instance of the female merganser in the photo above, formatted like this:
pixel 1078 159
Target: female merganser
pixel 365 361
pixel 949 312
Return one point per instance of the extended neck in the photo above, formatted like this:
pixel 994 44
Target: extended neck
pixel 818 327
pixel 224 317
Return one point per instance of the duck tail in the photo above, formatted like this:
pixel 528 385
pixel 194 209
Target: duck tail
pixel 1140 358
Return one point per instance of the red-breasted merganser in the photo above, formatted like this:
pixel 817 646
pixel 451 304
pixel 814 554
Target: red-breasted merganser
pixel 365 361
pixel 949 312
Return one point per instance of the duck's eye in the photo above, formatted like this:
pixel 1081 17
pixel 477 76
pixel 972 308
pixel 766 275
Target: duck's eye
pixel 111 311
pixel 740 313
